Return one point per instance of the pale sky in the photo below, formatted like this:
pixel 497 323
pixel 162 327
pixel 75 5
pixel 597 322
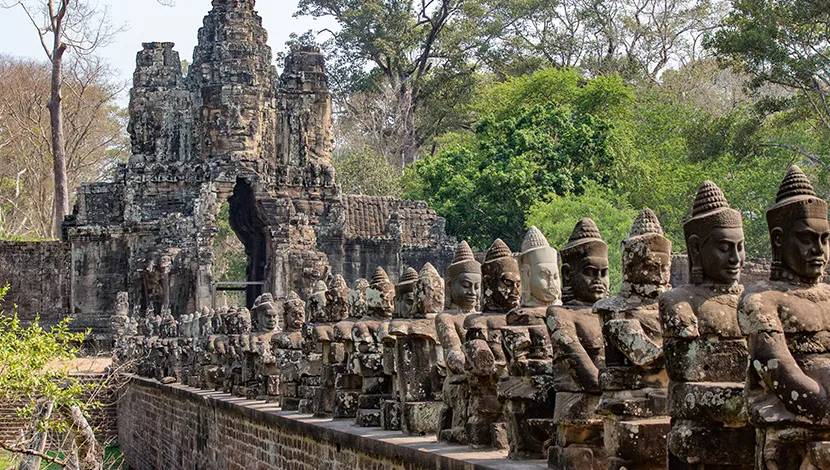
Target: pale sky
pixel 148 21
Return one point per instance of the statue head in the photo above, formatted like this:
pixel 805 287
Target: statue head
pixel 294 311
pixel 380 296
pixel 266 312
pixel 646 259
pixel 539 264
pixel 168 327
pixel 357 298
pixel 317 302
pixel 405 294
pixel 714 238
pixel 429 292
pixel 320 289
pixel 501 281
pixel 585 265
pixel 463 279
pixel 122 304
pixel 799 231
pixel 337 300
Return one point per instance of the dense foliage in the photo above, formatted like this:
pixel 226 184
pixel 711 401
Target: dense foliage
pixel 548 136
pixel 34 367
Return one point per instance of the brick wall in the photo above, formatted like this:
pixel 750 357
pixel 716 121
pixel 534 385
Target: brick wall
pixel 177 427
pixel 102 419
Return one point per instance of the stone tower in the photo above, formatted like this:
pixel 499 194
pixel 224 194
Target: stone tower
pixel 232 130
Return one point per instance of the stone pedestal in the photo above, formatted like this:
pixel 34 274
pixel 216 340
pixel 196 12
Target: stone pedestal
pixel 636 443
pixel 579 437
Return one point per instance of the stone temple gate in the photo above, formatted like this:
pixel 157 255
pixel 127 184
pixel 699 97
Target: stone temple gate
pixel 231 130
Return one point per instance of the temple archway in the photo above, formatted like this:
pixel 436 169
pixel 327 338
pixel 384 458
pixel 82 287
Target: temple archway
pixel 249 225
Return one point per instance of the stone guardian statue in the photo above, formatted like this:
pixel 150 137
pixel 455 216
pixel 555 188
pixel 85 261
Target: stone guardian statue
pixel 634 379
pixel 578 350
pixel 787 323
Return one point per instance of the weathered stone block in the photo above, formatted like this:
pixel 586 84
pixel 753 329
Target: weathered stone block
pixel 705 361
pixel 577 458
pixel 345 403
pixel 692 443
pixel 421 417
pixel 368 418
pixel 638 440
pixel 714 402
pixel 576 408
pixel 390 415
pixel 641 403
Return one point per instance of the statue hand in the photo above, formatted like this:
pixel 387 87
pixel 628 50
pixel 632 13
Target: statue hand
pixel 630 338
pixel 455 362
pixel 480 359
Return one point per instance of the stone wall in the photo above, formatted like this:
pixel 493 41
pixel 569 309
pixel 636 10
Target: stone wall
pixel 38 276
pixel 176 427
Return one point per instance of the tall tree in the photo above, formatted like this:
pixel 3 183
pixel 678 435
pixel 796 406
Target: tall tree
pixel 415 48
pixel 80 27
pixel 636 38
pixel 785 43
pixel 95 140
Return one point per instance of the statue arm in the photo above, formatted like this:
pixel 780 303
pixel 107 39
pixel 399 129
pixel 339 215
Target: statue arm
pixel 565 340
pixel 450 343
pixel 678 319
pixel 481 359
pixel 629 337
pixel 770 358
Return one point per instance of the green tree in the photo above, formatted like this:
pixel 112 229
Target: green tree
pixel 613 214
pixel 485 183
pixel 420 51
pixel 785 44
pixel 34 371
pixel 366 172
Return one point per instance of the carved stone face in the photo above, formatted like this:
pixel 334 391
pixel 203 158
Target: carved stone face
pixel 267 317
pixel 540 276
pixel 803 248
pixel 503 290
pixel 381 300
pixel 465 290
pixel 235 128
pixel 294 316
pixel 721 255
pixel 589 279
pixel 643 265
pixel 405 300
pixel 429 292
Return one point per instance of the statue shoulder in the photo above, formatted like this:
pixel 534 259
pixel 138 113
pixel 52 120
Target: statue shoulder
pixel 611 305
pixel 758 308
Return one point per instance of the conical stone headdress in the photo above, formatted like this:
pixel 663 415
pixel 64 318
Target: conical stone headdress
pixel 647 229
pixel 796 200
pixel 463 262
pixel 407 281
pixel 710 210
pixel 534 240
pixel 497 251
pixel 409 276
pixel 585 235
pixel 379 278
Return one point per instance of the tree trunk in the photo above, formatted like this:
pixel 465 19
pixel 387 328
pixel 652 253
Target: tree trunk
pixel 61 202
pixel 90 452
pixel 32 462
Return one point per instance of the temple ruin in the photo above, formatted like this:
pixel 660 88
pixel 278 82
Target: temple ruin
pixel 231 130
